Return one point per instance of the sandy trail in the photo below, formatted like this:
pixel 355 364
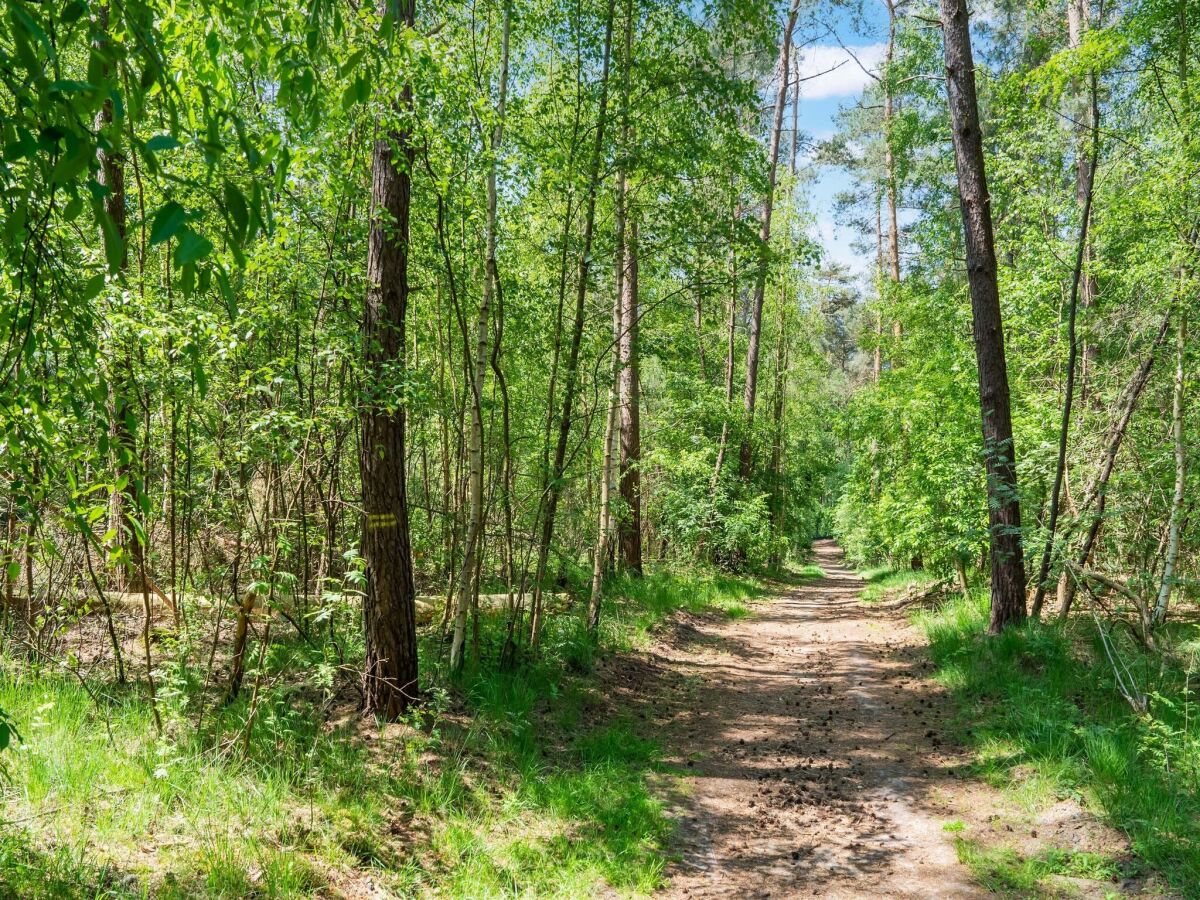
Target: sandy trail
pixel 820 767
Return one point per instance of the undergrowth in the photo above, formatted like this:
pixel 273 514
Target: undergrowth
pixel 501 783
pixel 884 580
pixel 1040 709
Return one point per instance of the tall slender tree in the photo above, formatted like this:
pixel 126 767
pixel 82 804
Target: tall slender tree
pixel 1004 505
pixel 467 585
pixel 750 393
pixel 554 486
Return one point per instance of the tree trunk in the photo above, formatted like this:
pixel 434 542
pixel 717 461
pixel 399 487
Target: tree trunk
pixel 608 484
pixel 1175 523
pixel 466 580
pixel 1072 348
pixel 1077 26
pixel 750 395
pixel 889 159
pixel 389 602
pixel 1097 492
pixel 124 503
pixel 571 376
pixel 630 524
pixel 1173 528
pixel 1004 507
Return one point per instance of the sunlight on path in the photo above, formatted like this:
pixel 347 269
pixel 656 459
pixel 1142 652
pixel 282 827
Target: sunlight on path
pixel 814 734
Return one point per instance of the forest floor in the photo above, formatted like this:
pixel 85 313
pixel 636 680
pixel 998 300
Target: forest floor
pixel 820 761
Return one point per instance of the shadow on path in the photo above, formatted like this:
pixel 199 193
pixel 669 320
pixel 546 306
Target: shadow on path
pixel 814 737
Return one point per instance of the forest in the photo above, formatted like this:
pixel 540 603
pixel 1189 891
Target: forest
pixel 510 448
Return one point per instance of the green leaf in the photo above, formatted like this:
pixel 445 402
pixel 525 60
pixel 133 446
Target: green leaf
pixel 239 212
pixel 227 293
pixel 67 86
pixel 93 286
pixel 192 247
pixel 170 218
pixel 114 246
pixel 161 142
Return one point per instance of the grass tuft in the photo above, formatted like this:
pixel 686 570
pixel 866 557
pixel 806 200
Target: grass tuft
pixel 1040 709
pixel 881 582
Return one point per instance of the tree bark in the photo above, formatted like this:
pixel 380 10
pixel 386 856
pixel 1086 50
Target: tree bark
pixel 608 484
pixel 571 376
pixel 1167 584
pixel 467 585
pixel 1004 507
pixel 630 524
pixel 389 607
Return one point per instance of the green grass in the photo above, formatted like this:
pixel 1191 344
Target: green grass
pixel 1040 710
pixel 882 581
pixel 504 783
pixel 1007 873
pixel 637 605
pixel 809 571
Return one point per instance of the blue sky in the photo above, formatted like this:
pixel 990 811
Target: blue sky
pixel 839 82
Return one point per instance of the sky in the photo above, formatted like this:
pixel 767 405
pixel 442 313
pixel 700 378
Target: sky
pixel 835 79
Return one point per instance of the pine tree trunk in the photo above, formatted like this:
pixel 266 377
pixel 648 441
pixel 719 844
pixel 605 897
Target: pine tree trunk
pixel 389 602
pixel 1004 508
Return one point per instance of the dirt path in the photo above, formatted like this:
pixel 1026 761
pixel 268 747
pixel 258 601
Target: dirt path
pixel 815 738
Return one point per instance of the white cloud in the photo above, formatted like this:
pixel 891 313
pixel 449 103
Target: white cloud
pixel 834 72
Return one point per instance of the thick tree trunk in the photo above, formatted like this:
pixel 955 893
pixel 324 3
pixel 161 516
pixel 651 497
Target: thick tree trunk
pixel 750 394
pixel 389 607
pixel 1004 508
